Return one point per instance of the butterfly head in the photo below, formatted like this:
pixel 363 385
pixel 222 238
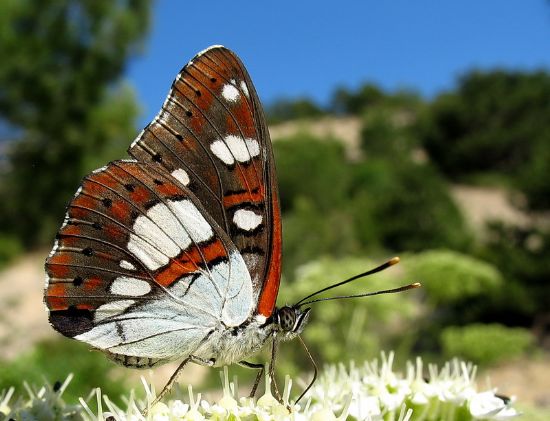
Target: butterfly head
pixel 291 320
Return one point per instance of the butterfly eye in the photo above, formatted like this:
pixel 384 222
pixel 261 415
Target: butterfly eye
pixel 287 319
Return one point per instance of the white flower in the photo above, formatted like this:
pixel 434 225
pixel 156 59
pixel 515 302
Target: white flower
pixel 486 405
pixel 373 392
pixel 365 406
pixel 178 408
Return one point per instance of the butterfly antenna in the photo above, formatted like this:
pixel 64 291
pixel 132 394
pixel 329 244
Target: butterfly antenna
pixel 315 370
pixel 391 262
pixel 368 294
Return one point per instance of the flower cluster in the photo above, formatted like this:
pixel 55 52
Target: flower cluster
pixel 370 392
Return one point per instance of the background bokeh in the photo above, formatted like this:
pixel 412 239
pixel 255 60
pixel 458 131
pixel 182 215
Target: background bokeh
pixel 421 131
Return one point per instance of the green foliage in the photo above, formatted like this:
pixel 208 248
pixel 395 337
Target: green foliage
pixel 486 344
pixel 283 110
pixel 345 101
pixel 521 254
pixel 368 95
pixel 312 168
pixel 56 93
pixel 334 207
pixel 9 248
pixel 310 233
pixel 407 207
pixel 449 277
pixel 386 134
pixel 494 122
pixel 54 360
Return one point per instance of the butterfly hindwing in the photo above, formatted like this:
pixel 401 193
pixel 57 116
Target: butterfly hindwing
pixel 140 269
pixel 211 135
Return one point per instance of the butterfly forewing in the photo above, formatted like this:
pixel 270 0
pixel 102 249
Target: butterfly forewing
pixel 211 135
pixel 140 269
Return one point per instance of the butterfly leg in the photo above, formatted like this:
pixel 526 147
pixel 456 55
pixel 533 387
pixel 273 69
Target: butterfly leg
pixel 167 386
pixel 174 377
pixel 258 377
pixel 272 368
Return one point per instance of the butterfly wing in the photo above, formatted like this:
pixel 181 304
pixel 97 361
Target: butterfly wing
pixel 140 269
pixel 211 135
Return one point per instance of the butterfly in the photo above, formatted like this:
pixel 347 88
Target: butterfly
pixel 175 253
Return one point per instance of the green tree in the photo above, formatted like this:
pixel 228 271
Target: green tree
pixel 405 206
pixel 314 168
pixel 346 101
pixel 494 122
pixel 60 98
pixel 283 110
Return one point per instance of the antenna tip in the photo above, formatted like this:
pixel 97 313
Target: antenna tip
pixel 393 261
pixel 416 285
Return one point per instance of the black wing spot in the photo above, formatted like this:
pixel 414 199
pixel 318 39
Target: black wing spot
pixel 157 157
pixel 130 187
pixel 198 93
pixel 179 137
pixel 158 182
pixel 78 281
pixel 88 251
pixel 213 80
pixel 188 113
pixel 134 214
pixel 73 321
pixel 97 226
pixel 107 202
pixel 150 204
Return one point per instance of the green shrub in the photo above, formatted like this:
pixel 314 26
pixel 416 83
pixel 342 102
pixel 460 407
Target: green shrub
pixel 313 168
pixel 309 233
pixel 10 247
pixel 386 133
pixel 449 277
pixel 486 344
pixel 409 204
pixel 292 109
pixel 493 122
pixel 521 254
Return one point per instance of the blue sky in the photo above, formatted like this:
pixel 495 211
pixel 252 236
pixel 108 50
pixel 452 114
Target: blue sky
pixel 307 48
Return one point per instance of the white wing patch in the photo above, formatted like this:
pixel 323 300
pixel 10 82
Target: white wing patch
pixel 246 219
pixel 125 264
pixel 245 88
pixel 111 309
pixel 235 148
pixel 230 92
pixel 166 230
pixel 130 286
pixel 146 253
pixel 181 175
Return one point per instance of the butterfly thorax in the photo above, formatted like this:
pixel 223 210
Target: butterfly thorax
pixel 228 346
